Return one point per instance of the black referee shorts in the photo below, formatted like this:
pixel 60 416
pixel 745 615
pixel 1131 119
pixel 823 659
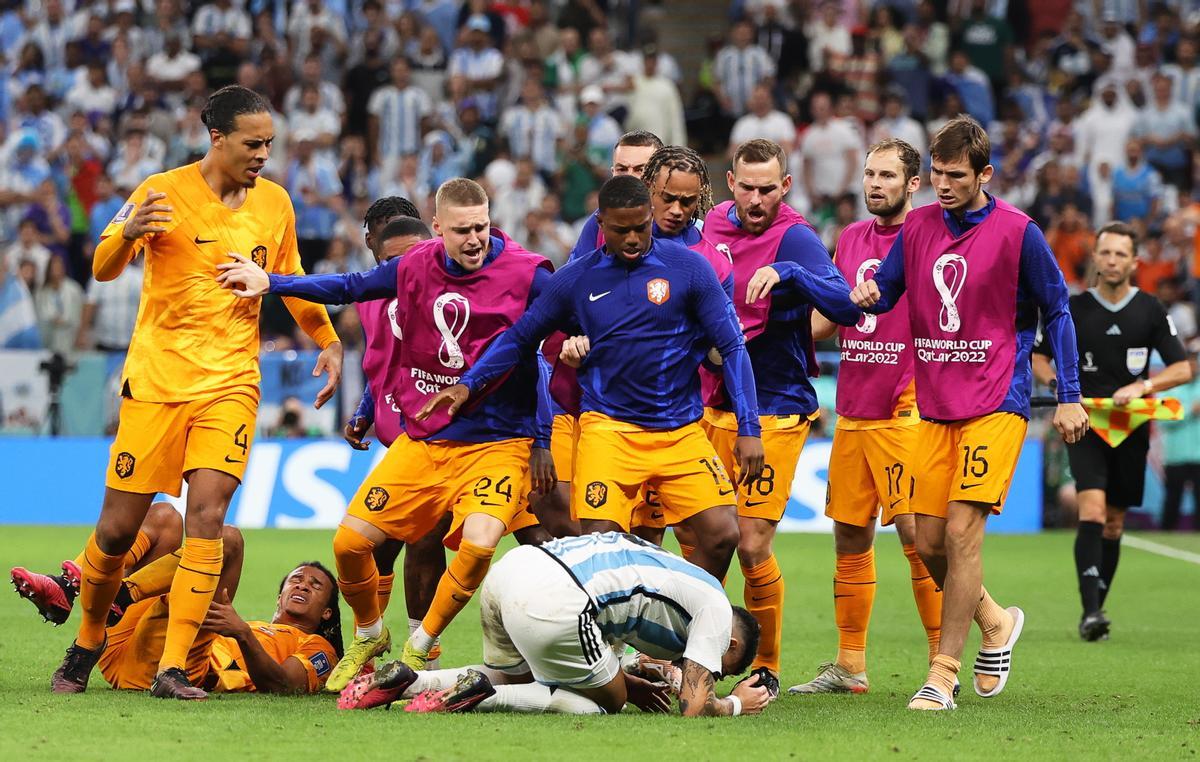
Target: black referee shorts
pixel 1119 471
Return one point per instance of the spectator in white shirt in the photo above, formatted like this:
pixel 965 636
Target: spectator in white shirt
pixel 59 307
pixel 603 132
pixel 479 63
pixel 896 123
pixel 609 69
pixel 514 201
pixel 93 96
pixel 655 104
pixel 309 16
pixel 533 128
pixel 172 65
pixel 321 123
pixel 827 36
pixel 28 248
pixel 394 116
pixel 217 18
pixel 830 154
pixel 310 74
pixel 738 68
pixel 763 120
pixel 132 164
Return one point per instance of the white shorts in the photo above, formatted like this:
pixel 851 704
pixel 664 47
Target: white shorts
pixel 537 619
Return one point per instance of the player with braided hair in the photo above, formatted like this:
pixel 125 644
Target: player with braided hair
pixel 691 166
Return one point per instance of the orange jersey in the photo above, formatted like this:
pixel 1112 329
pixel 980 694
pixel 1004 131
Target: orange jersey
pixel 280 641
pixel 194 339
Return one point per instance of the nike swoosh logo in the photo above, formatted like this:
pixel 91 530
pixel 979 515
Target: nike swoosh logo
pixel 725 492
pixel 490 505
pixel 594 297
pixel 755 503
pixel 459 598
pixel 91 581
pixel 203 592
pixel 656 516
pixel 892 507
pixel 231 460
pixel 845 595
pixel 198 240
pixel 964 485
pixel 756 599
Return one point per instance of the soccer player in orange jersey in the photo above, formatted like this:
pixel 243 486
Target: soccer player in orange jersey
pixel 870 467
pixel 190 383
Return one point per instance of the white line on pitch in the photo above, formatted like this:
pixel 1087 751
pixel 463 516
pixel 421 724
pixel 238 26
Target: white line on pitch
pixel 1161 550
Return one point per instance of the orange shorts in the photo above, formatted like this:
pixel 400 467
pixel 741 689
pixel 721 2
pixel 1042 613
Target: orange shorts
pixel 563 441
pixel 966 461
pixel 417 481
pixel 783 438
pixel 870 470
pixel 157 443
pixel 135 644
pixel 616 460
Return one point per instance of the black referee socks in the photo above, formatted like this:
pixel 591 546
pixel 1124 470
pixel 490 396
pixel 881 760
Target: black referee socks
pixel 1089 554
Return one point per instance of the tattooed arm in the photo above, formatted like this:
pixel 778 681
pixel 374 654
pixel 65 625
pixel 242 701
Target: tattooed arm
pixel 697 697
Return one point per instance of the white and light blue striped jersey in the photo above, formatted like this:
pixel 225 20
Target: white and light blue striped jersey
pixel 648 598
pixel 739 70
pixel 400 113
pixel 533 134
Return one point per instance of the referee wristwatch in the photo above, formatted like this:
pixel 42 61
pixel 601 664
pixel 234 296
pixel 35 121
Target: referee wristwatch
pixel 1147 386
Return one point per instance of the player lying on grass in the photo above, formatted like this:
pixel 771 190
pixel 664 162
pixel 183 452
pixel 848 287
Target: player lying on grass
pixel 551 614
pixel 292 653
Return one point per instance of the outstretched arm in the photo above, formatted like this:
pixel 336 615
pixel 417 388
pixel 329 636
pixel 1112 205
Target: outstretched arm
pixel 880 294
pixel 248 280
pixel 698 697
pixel 805 267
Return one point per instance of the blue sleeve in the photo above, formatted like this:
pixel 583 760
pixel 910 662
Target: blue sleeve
pixel 1040 276
pixel 544 421
pixel 890 277
pixel 541 279
pixel 366 407
pixel 719 321
pixel 551 309
pixel 340 288
pixel 804 265
pixel 587 238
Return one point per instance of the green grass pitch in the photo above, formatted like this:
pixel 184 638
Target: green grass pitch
pixel 1136 696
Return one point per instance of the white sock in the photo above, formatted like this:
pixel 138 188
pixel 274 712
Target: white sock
pixel 413 624
pixel 421 640
pixel 441 679
pixel 534 698
pixel 373 630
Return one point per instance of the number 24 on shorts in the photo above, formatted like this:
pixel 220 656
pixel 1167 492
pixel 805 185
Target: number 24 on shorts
pixel 486 487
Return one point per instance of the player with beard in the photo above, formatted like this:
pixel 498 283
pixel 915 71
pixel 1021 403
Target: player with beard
pixel 977 271
pixel 787 272
pixel 870 466
pixel 190 384
pixel 1116 326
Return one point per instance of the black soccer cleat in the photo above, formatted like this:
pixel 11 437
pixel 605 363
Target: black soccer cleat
pixel 766 679
pixel 72 675
pixel 1094 626
pixel 174 683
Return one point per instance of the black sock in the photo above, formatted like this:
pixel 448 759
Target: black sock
pixel 1088 557
pixel 1108 565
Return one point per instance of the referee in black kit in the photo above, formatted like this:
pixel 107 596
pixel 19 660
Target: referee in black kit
pixel 1117 327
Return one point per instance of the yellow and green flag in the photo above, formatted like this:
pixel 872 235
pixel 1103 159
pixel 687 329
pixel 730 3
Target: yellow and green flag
pixel 1116 422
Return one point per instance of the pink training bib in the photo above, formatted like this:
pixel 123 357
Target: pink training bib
pixel 449 320
pixel 877 363
pixel 748 253
pixel 381 364
pixel 962 300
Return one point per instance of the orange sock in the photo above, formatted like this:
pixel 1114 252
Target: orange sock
pixel 764 600
pixel 155 577
pixel 990 618
pixel 192 590
pixel 928 597
pixel 943 672
pixel 384 591
pixel 358 576
pixel 853 598
pixel 101 578
pixel 464 574
pixel 141 544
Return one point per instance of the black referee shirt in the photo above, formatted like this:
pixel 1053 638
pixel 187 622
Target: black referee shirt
pixel 1115 340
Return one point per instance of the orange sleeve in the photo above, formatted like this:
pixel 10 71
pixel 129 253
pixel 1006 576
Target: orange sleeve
pixel 317 657
pixel 114 252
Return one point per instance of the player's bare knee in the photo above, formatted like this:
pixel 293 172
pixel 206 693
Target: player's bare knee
pixel 851 540
pixel 722 539
pixel 906 529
